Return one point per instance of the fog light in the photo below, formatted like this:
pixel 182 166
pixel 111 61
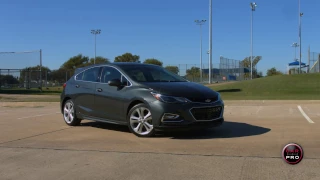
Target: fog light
pixel 170 116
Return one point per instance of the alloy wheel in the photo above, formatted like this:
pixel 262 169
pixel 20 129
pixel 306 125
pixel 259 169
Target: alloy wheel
pixel 68 112
pixel 141 121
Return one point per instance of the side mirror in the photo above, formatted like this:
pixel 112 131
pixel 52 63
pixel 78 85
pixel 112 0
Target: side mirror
pixel 115 82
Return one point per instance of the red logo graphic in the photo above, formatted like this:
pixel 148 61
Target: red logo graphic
pixel 292 153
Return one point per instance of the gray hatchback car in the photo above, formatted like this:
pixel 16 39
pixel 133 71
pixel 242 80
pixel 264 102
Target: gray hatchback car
pixel 146 98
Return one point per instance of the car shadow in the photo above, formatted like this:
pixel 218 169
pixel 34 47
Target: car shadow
pixel 106 126
pixel 229 90
pixel 227 130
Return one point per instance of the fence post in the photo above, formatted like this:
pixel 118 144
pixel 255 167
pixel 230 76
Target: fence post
pixel 40 70
pixel 308 59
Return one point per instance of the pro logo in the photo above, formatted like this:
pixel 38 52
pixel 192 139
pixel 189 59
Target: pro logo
pixel 292 153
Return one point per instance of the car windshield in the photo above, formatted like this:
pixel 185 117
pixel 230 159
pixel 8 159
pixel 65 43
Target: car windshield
pixel 142 73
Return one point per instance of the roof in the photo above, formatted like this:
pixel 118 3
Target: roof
pixel 296 63
pixel 117 64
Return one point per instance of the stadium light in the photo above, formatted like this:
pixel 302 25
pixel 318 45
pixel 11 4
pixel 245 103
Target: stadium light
pixel 253 6
pixel 295 45
pixel 95 32
pixel 200 23
pixel 300 15
pixel 210 40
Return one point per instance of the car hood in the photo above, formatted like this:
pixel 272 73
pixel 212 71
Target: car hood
pixel 188 90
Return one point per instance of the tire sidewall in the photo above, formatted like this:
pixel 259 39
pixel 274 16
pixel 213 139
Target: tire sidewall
pixel 75 120
pixel 152 133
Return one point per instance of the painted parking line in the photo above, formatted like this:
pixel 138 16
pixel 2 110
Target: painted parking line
pixel 305 115
pixel 38 115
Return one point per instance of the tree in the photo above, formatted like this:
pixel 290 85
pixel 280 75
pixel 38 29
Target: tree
pixel 246 63
pixel 76 62
pixel 153 61
pixel 173 69
pixel 259 75
pixel 193 73
pixel 8 79
pixel 273 71
pixel 127 57
pixel 33 73
pixel 99 60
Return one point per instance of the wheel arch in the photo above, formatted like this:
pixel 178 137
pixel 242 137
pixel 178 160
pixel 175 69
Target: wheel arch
pixel 63 102
pixel 135 102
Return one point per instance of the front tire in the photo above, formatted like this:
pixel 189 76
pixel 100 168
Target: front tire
pixel 69 115
pixel 140 121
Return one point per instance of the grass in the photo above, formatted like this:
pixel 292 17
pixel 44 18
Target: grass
pixel 282 87
pixel 35 91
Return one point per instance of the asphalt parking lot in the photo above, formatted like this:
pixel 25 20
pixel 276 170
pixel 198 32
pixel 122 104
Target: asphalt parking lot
pixel 35 143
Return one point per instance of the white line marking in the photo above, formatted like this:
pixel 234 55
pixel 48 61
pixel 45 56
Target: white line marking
pixel 38 115
pixel 259 109
pixel 305 115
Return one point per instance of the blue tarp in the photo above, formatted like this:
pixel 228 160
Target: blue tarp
pixel 296 63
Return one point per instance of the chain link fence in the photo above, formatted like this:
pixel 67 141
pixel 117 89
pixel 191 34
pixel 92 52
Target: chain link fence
pixel 314 62
pixel 232 70
pixel 226 70
pixel 34 78
pixel 31 78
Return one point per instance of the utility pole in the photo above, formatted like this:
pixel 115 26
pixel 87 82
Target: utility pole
pixel 253 6
pixel 210 41
pixel 200 23
pixel 300 15
pixel 41 70
pixel 95 33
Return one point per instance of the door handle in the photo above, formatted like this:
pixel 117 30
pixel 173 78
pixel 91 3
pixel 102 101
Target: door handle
pixel 77 86
pixel 99 90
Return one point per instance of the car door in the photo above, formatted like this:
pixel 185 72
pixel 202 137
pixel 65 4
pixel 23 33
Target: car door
pixel 109 100
pixel 85 86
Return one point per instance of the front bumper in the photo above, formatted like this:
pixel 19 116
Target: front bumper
pixel 186 119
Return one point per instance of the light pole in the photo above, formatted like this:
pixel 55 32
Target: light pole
pixel 95 32
pixel 300 15
pixel 200 23
pixel 253 6
pixel 210 40
pixel 295 45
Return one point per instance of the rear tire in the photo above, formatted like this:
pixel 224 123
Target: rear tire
pixel 69 114
pixel 140 121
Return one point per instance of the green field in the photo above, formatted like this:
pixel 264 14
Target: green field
pixel 45 91
pixel 282 87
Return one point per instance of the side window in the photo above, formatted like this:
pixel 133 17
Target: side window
pixel 109 73
pixel 79 77
pixel 90 75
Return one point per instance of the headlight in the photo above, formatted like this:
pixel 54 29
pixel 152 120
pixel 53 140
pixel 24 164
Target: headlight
pixel 169 99
pixel 219 97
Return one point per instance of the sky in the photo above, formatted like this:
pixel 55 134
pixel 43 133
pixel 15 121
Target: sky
pixel 164 30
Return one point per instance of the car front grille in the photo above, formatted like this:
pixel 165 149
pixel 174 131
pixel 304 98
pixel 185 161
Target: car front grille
pixel 207 113
pixel 204 100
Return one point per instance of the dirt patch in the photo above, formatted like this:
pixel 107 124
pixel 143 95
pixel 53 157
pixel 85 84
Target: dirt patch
pixel 28 98
pixel 28 104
